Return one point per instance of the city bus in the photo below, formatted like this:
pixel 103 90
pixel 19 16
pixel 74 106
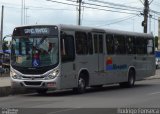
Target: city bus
pixel 57 57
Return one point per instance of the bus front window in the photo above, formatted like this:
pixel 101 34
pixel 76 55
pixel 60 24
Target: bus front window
pixel 34 52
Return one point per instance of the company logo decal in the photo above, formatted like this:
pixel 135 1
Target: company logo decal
pixel 111 66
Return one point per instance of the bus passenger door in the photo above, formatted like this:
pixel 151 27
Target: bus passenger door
pixel 67 50
pixel 99 57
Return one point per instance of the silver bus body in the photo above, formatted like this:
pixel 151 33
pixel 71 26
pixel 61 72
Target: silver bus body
pixel 97 67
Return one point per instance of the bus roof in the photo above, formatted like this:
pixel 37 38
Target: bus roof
pixel 94 29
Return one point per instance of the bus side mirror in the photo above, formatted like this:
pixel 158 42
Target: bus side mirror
pixel 6 45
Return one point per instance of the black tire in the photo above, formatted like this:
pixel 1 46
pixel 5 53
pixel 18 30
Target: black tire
pixel 156 66
pixel 131 80
pixel 41 91
pixel 81 86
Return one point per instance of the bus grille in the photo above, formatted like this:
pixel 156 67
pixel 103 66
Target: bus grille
pixel 31 77
pixel 33 83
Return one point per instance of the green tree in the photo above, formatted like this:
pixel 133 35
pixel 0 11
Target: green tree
pixel 5 46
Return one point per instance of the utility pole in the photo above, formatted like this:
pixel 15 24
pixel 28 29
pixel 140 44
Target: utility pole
pixel 79 11
pixel 2 16
pixel 150 16
pixel 159 33
pixel 145 13
pixel 22 13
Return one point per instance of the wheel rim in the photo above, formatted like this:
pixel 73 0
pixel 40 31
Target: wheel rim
pixel 81 84
pixel 131 79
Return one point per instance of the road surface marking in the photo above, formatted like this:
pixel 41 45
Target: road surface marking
pixel 65 110
pixel 154 93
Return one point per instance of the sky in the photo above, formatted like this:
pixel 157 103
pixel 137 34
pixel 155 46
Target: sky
pixel 51 13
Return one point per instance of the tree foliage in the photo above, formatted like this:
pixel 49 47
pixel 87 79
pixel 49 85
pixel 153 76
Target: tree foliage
pixel 5 45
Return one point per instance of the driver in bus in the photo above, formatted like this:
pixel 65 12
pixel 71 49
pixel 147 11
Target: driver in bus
pixel 48 49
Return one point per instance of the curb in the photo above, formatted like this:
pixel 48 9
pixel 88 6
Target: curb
pixel 5 91
pixel 152 77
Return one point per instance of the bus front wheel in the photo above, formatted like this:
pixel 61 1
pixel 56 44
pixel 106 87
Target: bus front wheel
pixel 81 86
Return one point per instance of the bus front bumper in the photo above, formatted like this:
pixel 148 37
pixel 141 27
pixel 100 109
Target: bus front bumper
pixel 35 84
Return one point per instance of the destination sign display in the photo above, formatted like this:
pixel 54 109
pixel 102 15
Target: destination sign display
pixel 35 30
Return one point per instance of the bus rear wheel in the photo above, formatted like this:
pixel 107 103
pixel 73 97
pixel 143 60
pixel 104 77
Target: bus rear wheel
pixel 131 80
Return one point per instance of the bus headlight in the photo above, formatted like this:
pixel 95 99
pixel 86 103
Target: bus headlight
pixel 14 75
pixel 53 74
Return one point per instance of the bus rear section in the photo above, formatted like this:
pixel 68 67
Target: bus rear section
pixel 130 52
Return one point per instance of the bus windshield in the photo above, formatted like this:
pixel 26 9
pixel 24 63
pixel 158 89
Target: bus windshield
pixel 34 51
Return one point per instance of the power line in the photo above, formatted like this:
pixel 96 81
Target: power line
pixel 120 21
pixel 154 18
pixel 156 12
pixel 106 6
pixel 93 7
pixel 62 3
pixel 150 2
pixel 156 4
pixel 47 8
pixel 103 21
pixel 122 6
pixel 15 6
pixel 39 8
pixel 114 4
pixel 112 7
pixel 18 6
pixel 97 5
pixel 141 2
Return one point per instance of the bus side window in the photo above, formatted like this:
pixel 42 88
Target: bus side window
pixel 150 46
pixel 100 44
pixel 95 43
pixel 140 42
pixel 81 43
pixel 145 46
pixel 67 48
pixel 130 45
pixel 90 43
pixel 110 44
pixel 120 44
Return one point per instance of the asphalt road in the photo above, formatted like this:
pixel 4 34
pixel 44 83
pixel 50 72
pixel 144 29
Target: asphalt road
pixel 146 93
